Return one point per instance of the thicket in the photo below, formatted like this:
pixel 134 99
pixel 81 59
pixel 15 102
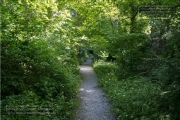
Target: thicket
pixel 148 48
pixel 134 97
pixel 143 81
pixel 39 61
pixel 43 42
pixel 166 70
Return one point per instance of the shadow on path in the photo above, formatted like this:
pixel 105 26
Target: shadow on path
pixel 93 105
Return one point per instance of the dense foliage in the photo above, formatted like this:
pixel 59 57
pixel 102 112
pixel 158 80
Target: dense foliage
pixel 43 43
pixel 39 60
pixel 147 48
pixel 132 98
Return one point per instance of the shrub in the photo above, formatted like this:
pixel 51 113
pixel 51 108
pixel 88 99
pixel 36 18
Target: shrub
pixel 34 76
pixel 29 106
pixel 130 51
pixel 166 70
pixel 132 98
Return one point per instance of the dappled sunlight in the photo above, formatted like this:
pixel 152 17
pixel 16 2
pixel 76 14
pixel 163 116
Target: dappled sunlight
pixel 81 89
pixel 88 90
pixel 93 103
pixel 64 53
pixel 86 69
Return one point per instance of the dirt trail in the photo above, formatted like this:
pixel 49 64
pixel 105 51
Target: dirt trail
pixel 93 104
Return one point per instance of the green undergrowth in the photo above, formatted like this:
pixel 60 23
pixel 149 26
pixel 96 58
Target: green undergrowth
pixel 133 98
pixel 37 84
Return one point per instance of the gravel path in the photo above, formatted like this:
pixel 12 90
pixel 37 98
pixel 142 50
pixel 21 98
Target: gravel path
pixel 93 104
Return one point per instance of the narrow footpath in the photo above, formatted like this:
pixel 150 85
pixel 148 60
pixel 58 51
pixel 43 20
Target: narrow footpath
pixel 93 104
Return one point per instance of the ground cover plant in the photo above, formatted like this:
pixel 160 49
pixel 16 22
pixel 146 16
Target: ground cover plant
pixel 135 97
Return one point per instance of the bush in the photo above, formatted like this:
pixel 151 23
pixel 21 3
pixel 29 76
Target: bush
pixel 34 76
pixel 130 50
pixel 30 106
pixel 132 98
pixel 166 70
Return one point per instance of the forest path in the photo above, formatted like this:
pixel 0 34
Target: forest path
pixel 93 104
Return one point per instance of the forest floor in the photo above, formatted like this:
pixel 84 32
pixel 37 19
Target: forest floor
pixel 93 104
